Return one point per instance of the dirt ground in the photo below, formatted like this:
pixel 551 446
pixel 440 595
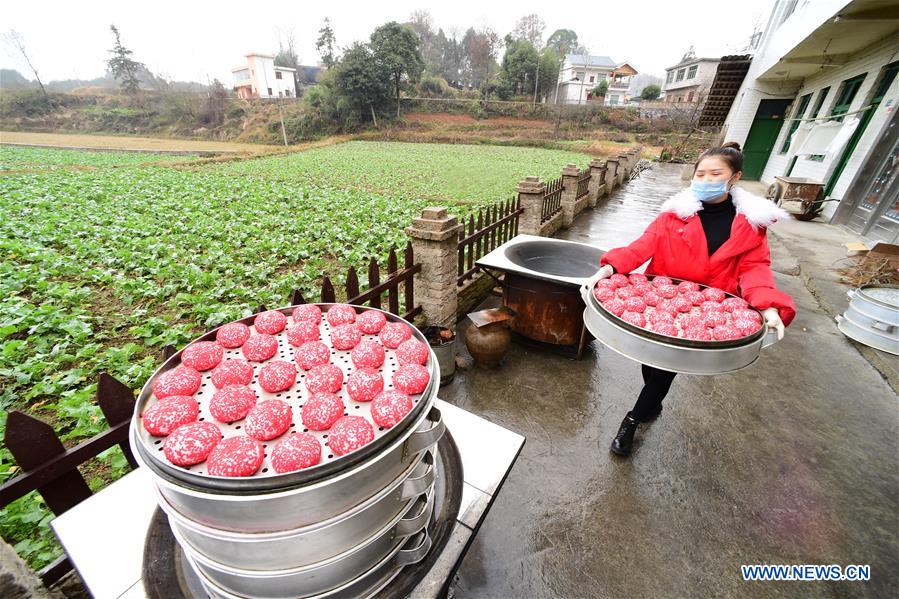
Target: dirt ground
pixel 114 142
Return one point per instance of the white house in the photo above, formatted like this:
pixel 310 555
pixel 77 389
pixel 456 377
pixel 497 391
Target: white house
pixel 819 101
pixel 690 79
pixel 260 78
pixel 579 74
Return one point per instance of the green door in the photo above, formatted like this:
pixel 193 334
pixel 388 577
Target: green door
pixel 766 126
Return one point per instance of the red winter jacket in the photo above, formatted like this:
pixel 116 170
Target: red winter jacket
pixel 675 242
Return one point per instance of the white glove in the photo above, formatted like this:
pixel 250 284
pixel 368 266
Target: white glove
pixel 772 320
pixel 605 272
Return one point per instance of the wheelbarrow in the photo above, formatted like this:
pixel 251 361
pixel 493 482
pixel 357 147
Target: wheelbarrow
pixel 800 196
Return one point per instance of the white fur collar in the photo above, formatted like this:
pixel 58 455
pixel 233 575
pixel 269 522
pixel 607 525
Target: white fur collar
pixel 759 211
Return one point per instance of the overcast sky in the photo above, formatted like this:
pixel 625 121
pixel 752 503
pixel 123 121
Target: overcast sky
pixel 188 40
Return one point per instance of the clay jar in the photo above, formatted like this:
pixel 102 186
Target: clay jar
pixel 488 344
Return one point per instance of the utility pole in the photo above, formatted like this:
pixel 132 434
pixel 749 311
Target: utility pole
pixel 536 81
pixel 281 116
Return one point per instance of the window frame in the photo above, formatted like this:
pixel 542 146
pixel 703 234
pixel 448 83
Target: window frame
pixel 691 72
pixel 801 108
pixel 848 90
pixel 680 74
pixel 819 104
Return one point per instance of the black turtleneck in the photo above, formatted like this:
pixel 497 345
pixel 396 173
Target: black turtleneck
pixel 716 222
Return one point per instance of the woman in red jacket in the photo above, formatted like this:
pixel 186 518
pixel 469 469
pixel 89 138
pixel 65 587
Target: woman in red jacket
pixel 712 233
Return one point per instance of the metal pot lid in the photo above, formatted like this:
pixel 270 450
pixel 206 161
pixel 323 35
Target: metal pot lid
pixel 595 305
pixel 150 447
pixel 886 296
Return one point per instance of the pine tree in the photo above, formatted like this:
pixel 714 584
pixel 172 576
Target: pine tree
pixel 123 67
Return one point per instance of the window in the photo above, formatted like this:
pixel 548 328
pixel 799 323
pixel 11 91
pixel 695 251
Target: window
pixel 794 123
pixel 592 78
pixel 846 96
pixel 822 95
pixel 680 74
pixel 277 74
pixel 690 97
pixel 613 100
pixel 670 77
pixel 692 72
pixel 269 91
pixel 580 75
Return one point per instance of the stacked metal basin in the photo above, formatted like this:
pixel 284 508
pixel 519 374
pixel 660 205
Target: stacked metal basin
pixel 873 317
pixel 328 529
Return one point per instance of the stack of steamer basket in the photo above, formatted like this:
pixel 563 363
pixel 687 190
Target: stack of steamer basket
pixel 340 527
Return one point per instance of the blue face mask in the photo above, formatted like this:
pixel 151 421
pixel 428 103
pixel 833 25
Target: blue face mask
pixel 706 191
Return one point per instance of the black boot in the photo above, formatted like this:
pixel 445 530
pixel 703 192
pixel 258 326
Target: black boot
pixel 621 444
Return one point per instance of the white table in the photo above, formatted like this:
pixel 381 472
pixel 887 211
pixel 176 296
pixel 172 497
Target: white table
pixel 104 535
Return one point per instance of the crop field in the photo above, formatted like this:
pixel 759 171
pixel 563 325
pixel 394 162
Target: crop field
pixel 479 174
pixel 15 158
pixel 101 268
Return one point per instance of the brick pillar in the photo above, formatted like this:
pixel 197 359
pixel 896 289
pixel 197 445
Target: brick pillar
pixel 530 196
pixel 569 192
pixel 435 244
pixel 624 167
pixel 612 174
pixel 597 184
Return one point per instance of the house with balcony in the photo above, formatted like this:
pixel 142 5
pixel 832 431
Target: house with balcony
pixel 819 102
pixel 260 78
pixel 580 74
pixel 690 80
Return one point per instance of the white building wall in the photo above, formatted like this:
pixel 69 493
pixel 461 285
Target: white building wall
pixel 704 77
pixel 870 65
pixel 778 42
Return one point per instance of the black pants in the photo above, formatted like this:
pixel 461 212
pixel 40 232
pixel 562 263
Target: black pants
pixel 655 387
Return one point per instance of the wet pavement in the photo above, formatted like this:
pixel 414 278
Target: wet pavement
pixel 792 461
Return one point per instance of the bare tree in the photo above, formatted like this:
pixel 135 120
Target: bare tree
pixel 16 44
pixel 531 28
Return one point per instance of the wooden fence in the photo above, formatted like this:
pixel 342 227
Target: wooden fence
pixel 552 199
pixel 52 470
pixel 583 184
pixel 493 227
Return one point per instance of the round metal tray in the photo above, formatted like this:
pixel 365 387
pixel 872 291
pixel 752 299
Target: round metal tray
pixel 679 341
pixel 266 479
pixel 304 504
pixel 664 352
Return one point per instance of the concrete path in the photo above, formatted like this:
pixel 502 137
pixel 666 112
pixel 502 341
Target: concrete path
pixel 792 461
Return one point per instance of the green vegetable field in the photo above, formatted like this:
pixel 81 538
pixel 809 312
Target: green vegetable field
pixel 16 158
pixel 100 268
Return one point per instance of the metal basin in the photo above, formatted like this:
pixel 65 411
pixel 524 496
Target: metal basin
pixel 321 576
pixel 309 504
pixel 672 354
pixel 554 258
